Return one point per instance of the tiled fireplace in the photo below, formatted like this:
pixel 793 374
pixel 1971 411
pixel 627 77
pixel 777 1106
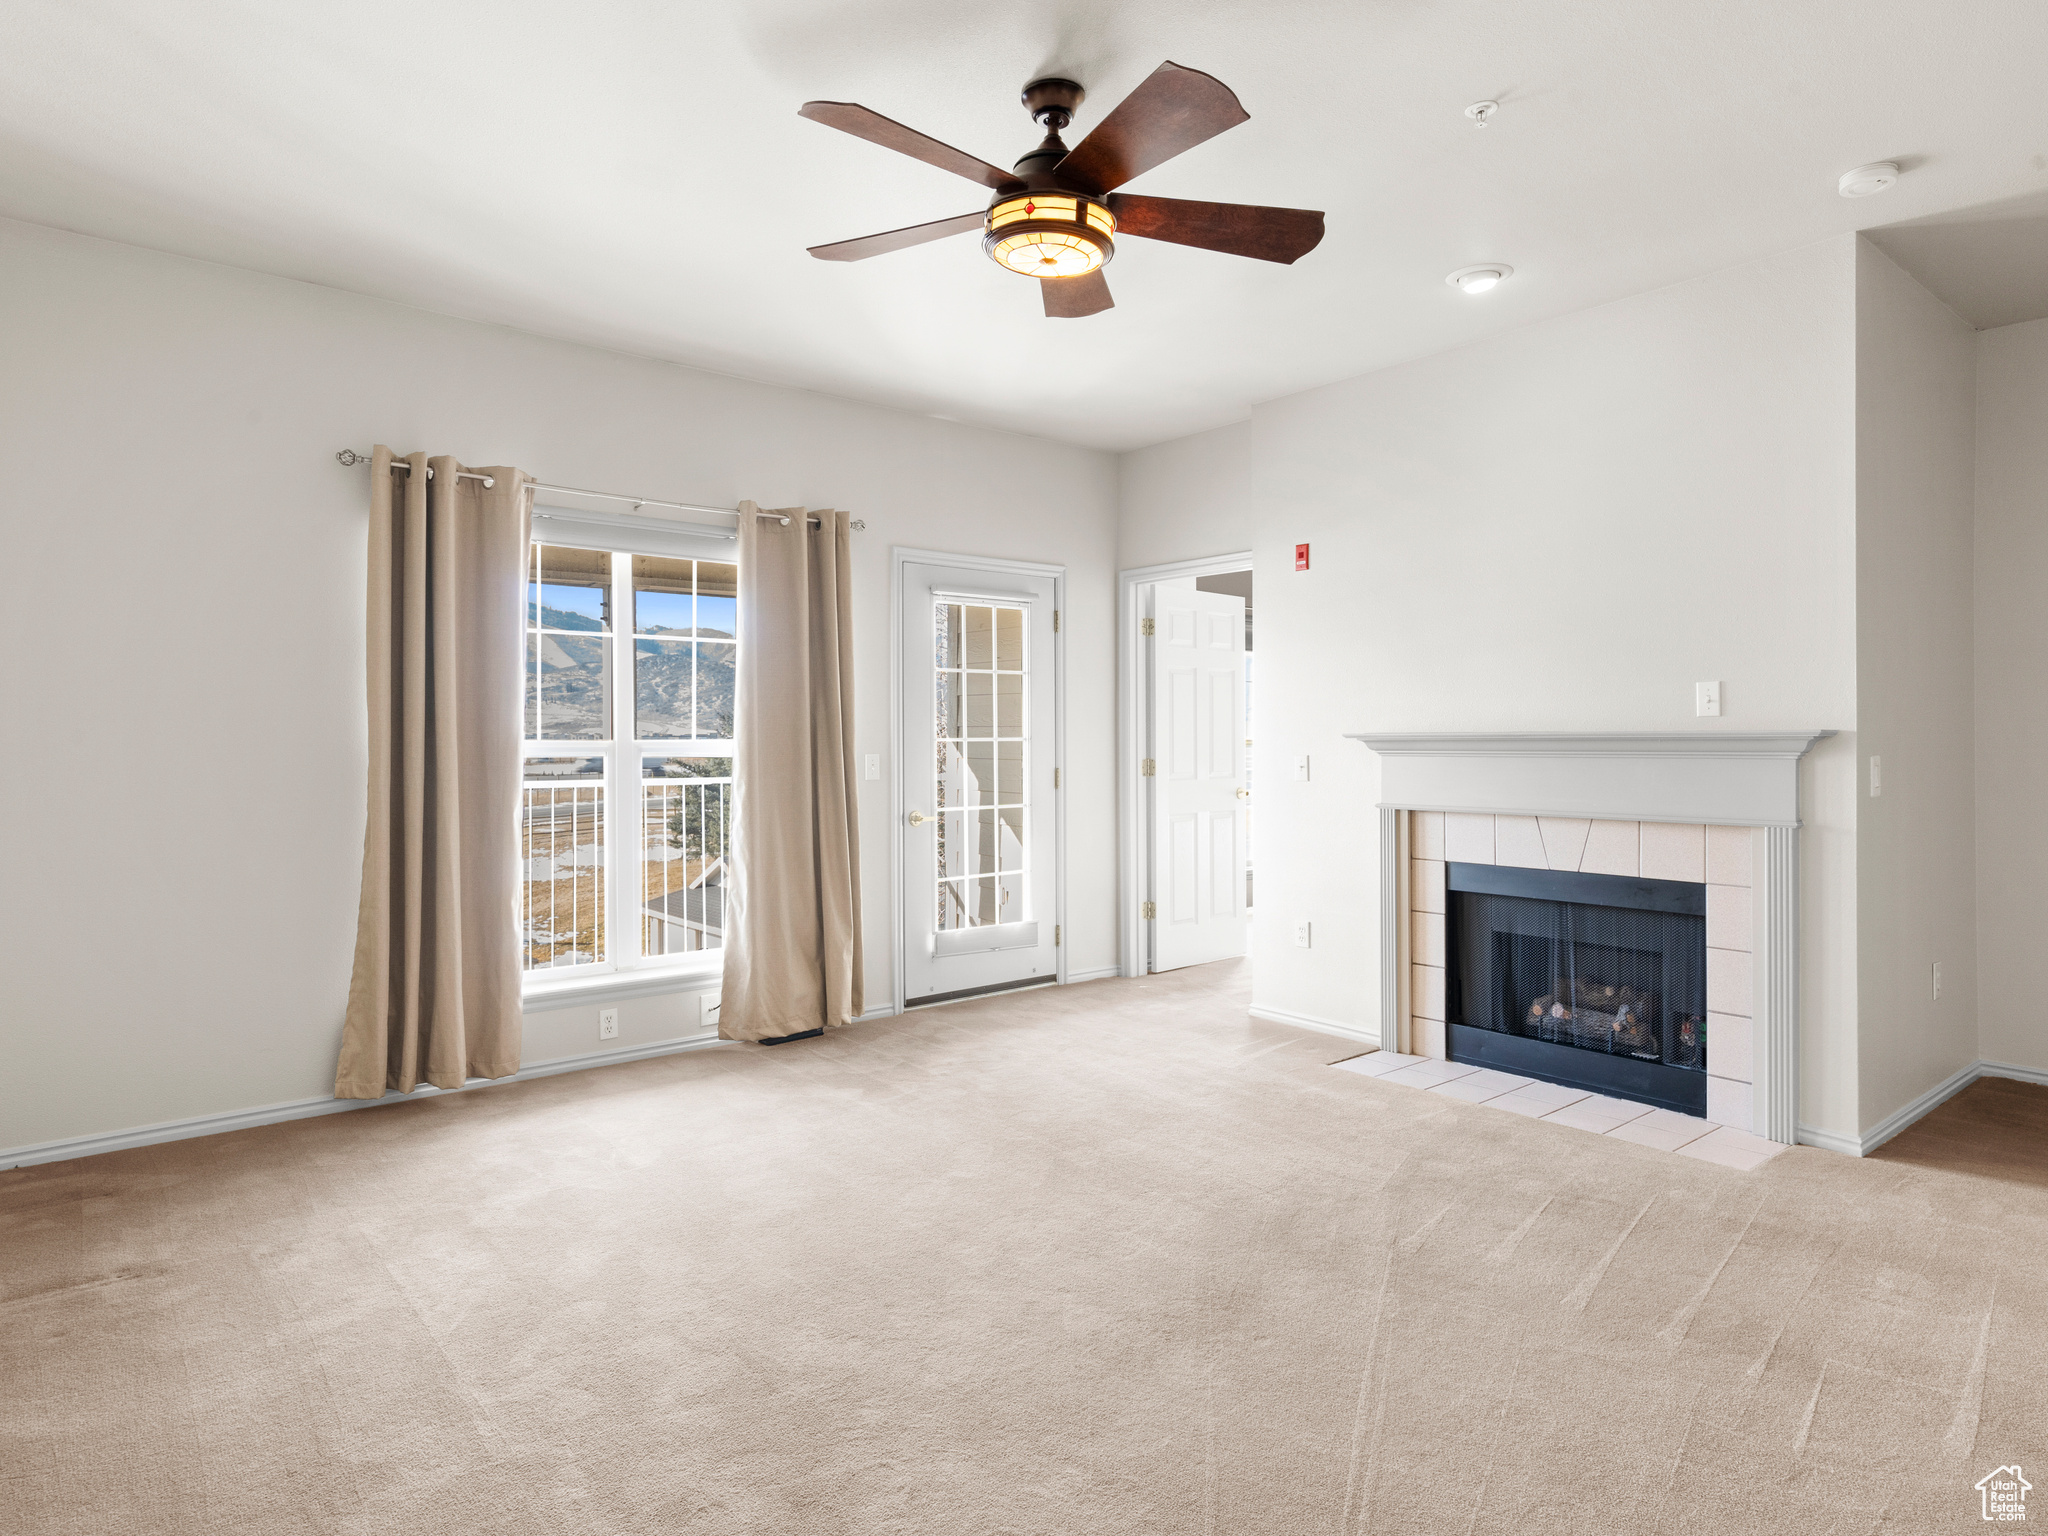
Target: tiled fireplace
pixel 1609 955
pixel 1614 913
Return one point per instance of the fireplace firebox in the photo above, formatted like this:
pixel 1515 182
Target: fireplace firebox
pixel 1592 981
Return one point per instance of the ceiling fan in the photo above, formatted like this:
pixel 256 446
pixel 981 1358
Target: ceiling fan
pixel 1056 216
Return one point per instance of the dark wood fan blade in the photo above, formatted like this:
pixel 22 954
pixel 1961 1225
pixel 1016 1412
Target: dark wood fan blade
pixel 897 239
pixel 1239 229
pixel 877 129
pixel 1171 110
pixel 1071 298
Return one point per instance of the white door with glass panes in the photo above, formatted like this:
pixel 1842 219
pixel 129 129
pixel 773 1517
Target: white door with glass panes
pixel 626 809
pixel 1199 789
pixel 977 767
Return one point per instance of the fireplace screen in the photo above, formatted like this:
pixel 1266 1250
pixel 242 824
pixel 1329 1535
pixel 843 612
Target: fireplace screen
pixel 1594 963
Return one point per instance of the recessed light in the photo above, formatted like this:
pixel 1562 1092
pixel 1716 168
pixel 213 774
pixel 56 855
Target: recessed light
pixel 1480 278
pixel 1868 180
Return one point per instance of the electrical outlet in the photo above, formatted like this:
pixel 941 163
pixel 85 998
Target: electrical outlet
pixel 607 1023
pixel 1301 768
pixel 1706 698
pixel 1876 777
pixel 1301 935
pixel 1937 981
pixel 874 765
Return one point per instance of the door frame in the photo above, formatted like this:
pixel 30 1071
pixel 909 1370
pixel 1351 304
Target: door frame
pixel 900 556
pixel 1134 703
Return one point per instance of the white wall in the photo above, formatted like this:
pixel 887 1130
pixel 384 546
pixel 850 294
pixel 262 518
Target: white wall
pixel 2012 712
pixel 1562 528
pixel 185 759
pixel 1915 865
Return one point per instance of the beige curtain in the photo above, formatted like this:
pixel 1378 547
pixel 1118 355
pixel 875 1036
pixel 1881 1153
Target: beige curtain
pixel 435 995
pixel 792 947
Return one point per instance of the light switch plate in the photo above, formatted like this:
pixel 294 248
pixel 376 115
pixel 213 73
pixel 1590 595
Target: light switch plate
pixel 874 765
pixel 1707 698
pixel 1301 768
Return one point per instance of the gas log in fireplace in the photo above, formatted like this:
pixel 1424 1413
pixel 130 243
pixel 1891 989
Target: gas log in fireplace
pixel 1593 981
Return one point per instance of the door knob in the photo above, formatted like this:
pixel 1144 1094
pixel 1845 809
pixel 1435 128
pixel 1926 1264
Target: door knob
pixel 917 818
pixel 1244 794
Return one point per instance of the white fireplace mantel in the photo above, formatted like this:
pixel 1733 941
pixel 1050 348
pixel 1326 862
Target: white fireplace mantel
pixel 1716 778
pixel 1721 778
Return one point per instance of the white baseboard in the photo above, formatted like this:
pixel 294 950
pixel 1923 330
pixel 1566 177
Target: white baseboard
pixel 1906 1114
pixel 1074 978
pixel 2037 1075
pixel 1321 1026
pixel 306 1109
pixel 1828 1141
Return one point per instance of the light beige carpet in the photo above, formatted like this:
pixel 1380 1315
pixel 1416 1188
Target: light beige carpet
pixel 1112 1258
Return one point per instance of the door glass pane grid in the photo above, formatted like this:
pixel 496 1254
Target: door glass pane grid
pixel 685 832
pixel 981 763
pixel 562 863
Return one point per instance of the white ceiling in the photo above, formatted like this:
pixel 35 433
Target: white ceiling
pixel 633 174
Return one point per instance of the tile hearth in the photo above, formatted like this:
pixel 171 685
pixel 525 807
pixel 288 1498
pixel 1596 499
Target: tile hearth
pixel 1687 1135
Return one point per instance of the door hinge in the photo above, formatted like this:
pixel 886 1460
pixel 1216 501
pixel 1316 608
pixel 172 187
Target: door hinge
pixel 1055 935
pixel 1055 778
pixel 1055 621
pixel 1145 627
pixel 1145 769
pixel 1149 909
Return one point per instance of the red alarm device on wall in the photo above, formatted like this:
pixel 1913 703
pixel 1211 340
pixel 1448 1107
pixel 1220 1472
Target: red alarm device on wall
pixel 1301 557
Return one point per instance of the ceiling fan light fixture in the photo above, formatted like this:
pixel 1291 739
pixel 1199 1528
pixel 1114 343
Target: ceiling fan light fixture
pixel 1057 234
pixel 1480 279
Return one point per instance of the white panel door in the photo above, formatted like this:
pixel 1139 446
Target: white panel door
pixel 1198 787
pixel 977 758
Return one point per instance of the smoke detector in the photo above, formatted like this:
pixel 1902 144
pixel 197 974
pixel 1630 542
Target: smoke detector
pixel 1868 180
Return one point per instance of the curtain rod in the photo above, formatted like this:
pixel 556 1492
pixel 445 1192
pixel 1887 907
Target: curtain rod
pixel 348 457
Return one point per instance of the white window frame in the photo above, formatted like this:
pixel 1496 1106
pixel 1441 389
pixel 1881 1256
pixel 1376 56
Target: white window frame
pixel 623 756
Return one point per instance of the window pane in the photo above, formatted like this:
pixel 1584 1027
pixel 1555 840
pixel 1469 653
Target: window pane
pixel 1010 773
pixel 967 776
pixel 979 649
pixel 1010 840
pixel 981 714
pixel 952 649
pixel 981 901
pixel 686 826
pixel 662 671
pixel 561 852
pixel 948 703
pixel 715 662
pixel 571 589
pixel 952 905
pixel 1009 704
pixel 570 674
pixel 1010 639
pixel 662 590
pixel 951 842
pixel 983 828
pixel 718 587
pixel 1010 898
